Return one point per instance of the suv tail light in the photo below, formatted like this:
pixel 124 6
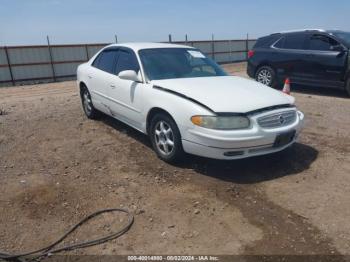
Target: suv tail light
pixel 250 53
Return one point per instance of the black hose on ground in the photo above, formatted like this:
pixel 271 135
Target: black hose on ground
pixel 48 250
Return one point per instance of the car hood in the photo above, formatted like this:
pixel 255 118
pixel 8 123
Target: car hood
pixel 226 93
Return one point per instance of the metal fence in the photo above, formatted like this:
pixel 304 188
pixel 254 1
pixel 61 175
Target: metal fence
pixel 20 65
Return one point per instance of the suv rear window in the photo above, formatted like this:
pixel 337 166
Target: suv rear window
pixel 263 41
pixel 280 43
pixel 291 41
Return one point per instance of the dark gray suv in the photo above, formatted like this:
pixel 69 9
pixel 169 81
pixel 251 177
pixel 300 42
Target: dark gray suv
pixel 310 57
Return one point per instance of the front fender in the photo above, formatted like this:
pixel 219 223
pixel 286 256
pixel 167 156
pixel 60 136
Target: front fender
pixel 180 108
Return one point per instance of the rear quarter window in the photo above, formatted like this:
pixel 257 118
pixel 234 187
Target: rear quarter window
pixel 265 41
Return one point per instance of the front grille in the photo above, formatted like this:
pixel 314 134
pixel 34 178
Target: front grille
pixel 278 119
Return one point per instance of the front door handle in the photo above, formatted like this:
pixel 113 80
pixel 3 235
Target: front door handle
pixel 89 76
pixel 112 86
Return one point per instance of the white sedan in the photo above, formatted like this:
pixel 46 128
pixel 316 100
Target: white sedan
pixel 186 103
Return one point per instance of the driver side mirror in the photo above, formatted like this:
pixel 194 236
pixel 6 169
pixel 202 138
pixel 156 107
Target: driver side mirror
pixel 130 75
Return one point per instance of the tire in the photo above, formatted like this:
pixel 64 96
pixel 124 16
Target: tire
pixel 267 76
pixel 347 86
pixel 90 111
pixel 166 138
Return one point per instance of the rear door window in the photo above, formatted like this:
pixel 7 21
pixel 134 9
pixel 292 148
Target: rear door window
pixel 294 41
pixel 291 41
pixel 106 61
pixel 321 43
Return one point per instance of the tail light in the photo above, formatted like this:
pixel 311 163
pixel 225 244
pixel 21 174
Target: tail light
pixel 250 53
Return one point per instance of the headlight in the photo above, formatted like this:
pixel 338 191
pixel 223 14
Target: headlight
pixel 221 122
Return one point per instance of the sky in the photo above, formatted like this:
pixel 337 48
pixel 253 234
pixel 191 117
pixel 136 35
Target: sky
pixel 25 22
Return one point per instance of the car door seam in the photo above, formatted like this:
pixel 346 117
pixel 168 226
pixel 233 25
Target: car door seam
pixel 117 102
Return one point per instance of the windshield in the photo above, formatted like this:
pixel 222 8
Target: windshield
pixel 169 63
pixel 345 36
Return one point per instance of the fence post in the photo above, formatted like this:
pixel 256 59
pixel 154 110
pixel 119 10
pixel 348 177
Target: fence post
pixel 87 52
pixel 186 39
pixel 212 47
pixel 116 39
pixel 51 60
pixel 246 47
pixel 231 51
pixel 170 40
pixel 9 65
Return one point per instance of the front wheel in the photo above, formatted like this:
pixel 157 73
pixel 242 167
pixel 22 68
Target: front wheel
pixel 166 139
pixel 266 75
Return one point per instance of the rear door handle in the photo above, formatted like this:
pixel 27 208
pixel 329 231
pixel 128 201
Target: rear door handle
pixel 89 76
pixel 112 86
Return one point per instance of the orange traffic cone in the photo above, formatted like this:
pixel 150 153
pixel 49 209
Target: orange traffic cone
pixel 286 87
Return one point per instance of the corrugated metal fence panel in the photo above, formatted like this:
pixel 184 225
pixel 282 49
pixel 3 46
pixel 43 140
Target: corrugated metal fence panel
pixel 24 55
pixel 92 50
pixel 3 60
pixel 75 53
pixel 66 69
pixel 222 46
pixel 5 74
pixel 251 43
pixel 4 71
pixel 205 47
pixel 239 56
pixel 223 58
pixel 238 45
pixel 33 71
pixel 225 51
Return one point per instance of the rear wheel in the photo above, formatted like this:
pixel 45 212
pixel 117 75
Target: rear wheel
pixel 266 75
pixel 88 107
pixel 166 139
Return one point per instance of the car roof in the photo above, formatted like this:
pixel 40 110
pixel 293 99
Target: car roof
pixel 136 46
pixel 308 30
pixel 303 30
pixel 337 31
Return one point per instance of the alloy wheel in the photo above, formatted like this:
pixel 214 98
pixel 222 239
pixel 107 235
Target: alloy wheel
pixel 164 138
pixel 265 77
pixel 87 102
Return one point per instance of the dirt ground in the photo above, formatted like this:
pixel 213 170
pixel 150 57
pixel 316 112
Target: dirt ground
pixel 56 166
